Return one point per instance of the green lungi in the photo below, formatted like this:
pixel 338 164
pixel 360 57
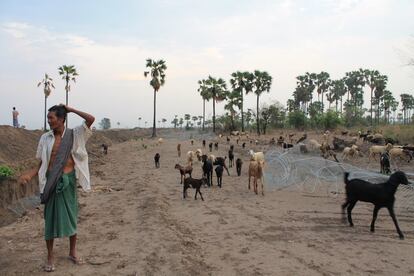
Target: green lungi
pixel 61 211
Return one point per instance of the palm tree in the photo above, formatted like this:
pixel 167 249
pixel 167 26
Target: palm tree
pixel 240 81
pixel 322 82
pixel 262 82
pixel 47 89
pixel 217 91
pixel 374 80
pixel 337 90
pixel 139 121
pixel 68 73
pixel 205 95
pixel 234 100
pixel 157 72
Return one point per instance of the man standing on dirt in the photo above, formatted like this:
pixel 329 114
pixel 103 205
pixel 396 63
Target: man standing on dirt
pixel 63 159
pixel 15 119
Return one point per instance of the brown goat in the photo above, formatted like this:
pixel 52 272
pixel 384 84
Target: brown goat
pixel 256 171
pixel 183 171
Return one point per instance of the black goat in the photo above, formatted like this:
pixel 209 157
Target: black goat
pixel 228 139
pixel 210 147
pixel 216 146
pixel 195 184
pixel 219 173
pixel 287 145
pixel 104 148
pixel 157 160
pixel 207 170
pixel 239 164
pixel 381 195
pixel 244 145
pixel 220 161
pixel 385 163
pixel 204 143
pixel 231 158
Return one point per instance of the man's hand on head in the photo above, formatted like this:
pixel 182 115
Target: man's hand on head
pixel 68 108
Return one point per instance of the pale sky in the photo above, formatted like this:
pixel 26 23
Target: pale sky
pixel 109 41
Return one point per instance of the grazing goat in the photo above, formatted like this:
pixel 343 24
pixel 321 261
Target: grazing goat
pixel 157 160
pixel 327 151
pixel 228 139
pixel 400 153
pixel 385 163
pixel 244 145
pixel 204 143
pixel 239 164
pixel 192 142
pixel 210 147
pixel 179 150
pixel 160 141
pixel 183 171
pixel 231 158
pixel 303 138
pixel 287 145
pixel 256 171
pixel 207 169
pixel 350 152
pixel 216 146
pixel 314 145
pixel 219 173
pixel 104 148
pixel 381 195
pixel 378 150
pixel 195 184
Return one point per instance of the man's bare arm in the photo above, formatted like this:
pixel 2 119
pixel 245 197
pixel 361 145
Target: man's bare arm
pixel 88 117
pixel 29 174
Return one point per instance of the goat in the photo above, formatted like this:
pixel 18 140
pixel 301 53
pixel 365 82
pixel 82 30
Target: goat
pixel 350 152
pixel 220 161
pixel 195 184
pixel 244 145
pixel 179 150
pixel 385 163
pixel 381 195
pixel 374 150
pixel 210 147
pixel 231 158
pixel 207 169
pixel 104 148
pixel 192 142
pixel 239 164
pixel 183 171
pixel 256 156
pixel 219 173
pixel 204 143
pixel 228 139
pixel 313 144
pixel 157 160
pixel 160 141
pixel 216 146
pixel 402 154
pixel 327 151
pixel 287 145
pixel 256 171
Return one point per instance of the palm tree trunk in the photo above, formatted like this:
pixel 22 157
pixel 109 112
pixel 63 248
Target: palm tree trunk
pixel 322 101
pixel 204 111
pixel 44 127
pixel 67 101
pixel 257 116
pixel 214 114
pixel 242 115
pixel 154 134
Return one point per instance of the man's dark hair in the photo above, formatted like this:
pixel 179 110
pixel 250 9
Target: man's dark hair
pixel 14 108
pixel 60 111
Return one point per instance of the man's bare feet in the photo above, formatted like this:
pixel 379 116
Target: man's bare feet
pixel 76 260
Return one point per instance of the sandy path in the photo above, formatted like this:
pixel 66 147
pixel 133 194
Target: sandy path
pixel 143 227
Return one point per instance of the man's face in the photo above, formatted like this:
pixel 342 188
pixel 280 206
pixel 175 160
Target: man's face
pixel 53 121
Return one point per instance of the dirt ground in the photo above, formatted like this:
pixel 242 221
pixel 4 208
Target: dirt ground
pixel 135 222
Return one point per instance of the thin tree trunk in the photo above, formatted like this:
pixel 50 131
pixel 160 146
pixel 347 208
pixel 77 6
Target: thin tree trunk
pixel 257 116
pixel 242 115
pixel 204 111
pixel 322 102
pixel 154 134
pixel 67 101
pixel 214 114
pixel 371 106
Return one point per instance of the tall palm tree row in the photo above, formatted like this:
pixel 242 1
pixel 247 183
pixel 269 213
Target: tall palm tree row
pixel 205 95
pixel 47 89
pixel 322 82
pixel 157 75
pixel 68 73
pixel 234 100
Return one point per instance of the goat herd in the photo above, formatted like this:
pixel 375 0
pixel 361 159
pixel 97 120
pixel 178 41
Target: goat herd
pixel 381 195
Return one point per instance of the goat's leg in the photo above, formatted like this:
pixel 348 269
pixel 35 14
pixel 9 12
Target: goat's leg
pixel 343 210
pixel 255 184
pixel 394 219
pixel 200 194
pixel 227 170
pixel 184 191
pixel 351 205
pixel 195 196
pixel 374 217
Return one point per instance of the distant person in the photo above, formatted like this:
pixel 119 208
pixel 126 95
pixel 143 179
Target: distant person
pixel 58 171
pixel 15 117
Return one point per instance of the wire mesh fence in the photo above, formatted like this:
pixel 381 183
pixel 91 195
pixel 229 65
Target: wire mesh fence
pixel 291 169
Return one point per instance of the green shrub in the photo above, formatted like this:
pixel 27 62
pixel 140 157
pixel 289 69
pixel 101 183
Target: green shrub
pixel 6 171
